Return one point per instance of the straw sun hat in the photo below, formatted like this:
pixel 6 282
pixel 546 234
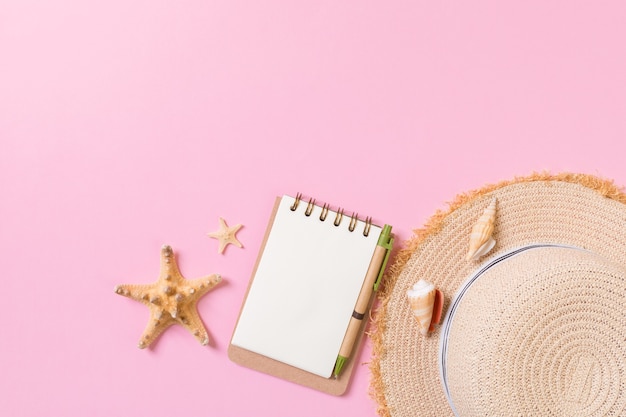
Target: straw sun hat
pixel 536 327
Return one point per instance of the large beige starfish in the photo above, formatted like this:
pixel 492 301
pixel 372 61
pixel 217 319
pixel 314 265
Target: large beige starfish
pixel 172 299
pixel 226 235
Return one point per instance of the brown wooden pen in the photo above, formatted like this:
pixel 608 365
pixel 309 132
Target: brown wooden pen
pixel 370 284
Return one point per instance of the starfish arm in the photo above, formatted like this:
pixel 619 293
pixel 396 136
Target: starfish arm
pixel 157 325
pixel 137 292
pixel 223 224
pixel 192 322
pixel 200 286
pixel 233 239
pixel 233 235
pixel 223 244
pixel 219 235
pixel 169 266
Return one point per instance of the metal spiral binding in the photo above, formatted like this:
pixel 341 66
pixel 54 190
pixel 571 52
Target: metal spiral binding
pixel 368 225
pixel 309 207
pixel 338 217
pixel 294 206
pixel 324 212
pixel 354 218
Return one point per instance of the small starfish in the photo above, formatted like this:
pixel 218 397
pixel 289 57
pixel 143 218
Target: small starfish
pixel 226 235
pixel 172 299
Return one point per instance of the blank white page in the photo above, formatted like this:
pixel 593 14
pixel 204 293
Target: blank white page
pixel 305 288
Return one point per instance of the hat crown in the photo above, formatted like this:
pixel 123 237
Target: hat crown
pixel 537 331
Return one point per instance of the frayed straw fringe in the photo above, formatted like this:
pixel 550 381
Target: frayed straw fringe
pixel 604 187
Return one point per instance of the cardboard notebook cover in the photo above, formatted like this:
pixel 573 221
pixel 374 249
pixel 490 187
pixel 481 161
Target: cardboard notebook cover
pixel 334 386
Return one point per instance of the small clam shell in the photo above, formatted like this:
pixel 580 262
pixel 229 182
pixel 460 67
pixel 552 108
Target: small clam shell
pixel 481 240
pixel 422 299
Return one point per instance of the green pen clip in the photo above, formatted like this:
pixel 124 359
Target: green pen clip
pixel 386 241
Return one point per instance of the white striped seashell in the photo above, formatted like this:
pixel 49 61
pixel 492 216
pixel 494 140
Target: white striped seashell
pixel 422 299
pixel 481 240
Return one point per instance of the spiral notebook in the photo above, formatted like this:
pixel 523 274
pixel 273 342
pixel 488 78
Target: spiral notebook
pixel 302 293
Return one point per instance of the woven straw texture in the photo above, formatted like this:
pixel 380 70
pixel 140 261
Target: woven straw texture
pixel 540 334
pixel 569 209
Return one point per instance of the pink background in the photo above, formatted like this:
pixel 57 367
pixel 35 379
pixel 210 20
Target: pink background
pixel 125 125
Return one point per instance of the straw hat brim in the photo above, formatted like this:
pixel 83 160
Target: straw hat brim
pixel 576 210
